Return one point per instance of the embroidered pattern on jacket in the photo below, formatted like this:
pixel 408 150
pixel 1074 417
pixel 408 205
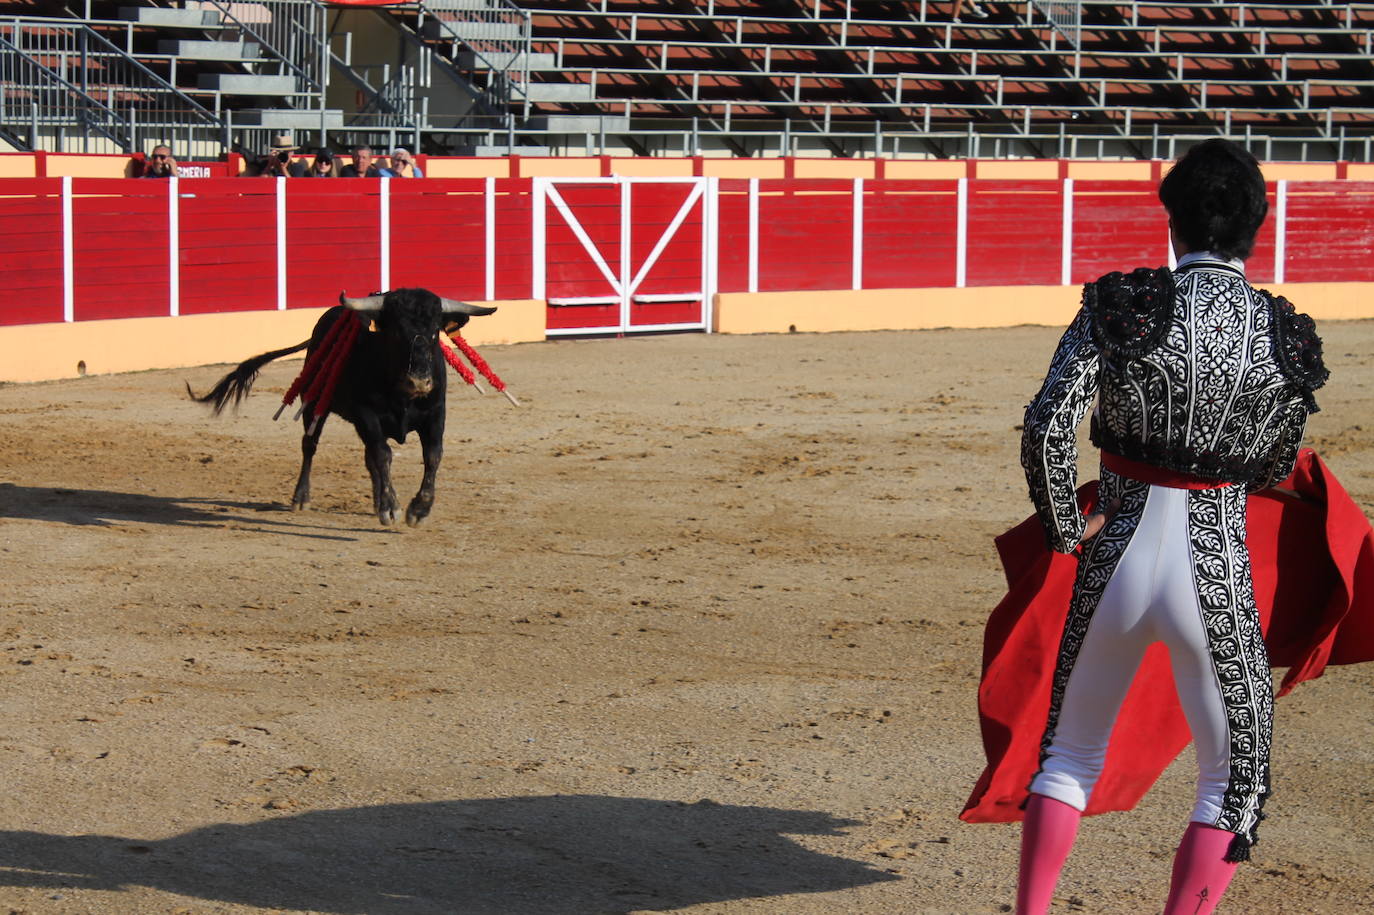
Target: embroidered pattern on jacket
pixel 1131 311
pixel 1219 389
pixel 1226 594
pixel 1297 348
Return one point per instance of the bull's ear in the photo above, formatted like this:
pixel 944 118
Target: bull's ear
pixel 463 308
pixel 453 323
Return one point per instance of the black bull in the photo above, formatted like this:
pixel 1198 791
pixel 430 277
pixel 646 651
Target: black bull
pixel 393 383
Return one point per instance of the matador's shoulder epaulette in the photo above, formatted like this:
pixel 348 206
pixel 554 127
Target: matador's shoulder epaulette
pixel 1297 348
pixel 1131 311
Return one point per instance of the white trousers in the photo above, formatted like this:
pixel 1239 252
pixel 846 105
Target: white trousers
pixel 1150 598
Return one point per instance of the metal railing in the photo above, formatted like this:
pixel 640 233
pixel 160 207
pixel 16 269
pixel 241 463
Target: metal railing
pixel 57 76
pixel 769 138
pixel 291 33
pixel 1066 18
pixel 497 34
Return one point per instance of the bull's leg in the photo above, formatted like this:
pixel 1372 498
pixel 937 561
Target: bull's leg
pixel 309 441
pixel 377 455
pixel 432 444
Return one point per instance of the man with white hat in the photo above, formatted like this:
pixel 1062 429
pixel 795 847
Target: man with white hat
pixel 278 163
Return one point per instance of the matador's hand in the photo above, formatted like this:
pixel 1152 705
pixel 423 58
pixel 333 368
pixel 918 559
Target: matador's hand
pixel 1098 520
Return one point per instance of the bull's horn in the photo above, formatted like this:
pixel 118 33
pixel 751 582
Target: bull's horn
pixel 367 303
pixel 465 308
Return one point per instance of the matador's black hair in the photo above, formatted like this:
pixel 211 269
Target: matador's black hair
pixel 1215 198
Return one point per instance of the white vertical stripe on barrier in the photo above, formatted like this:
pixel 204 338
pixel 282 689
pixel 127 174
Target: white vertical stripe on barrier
pixel 1066 240
pixel 856 279
pixel 961 236
pixel 1281 232
pixel 753 235
pixel 626 288
pixel 711 262
pixel 68 264
pixel 490 270
pixel 173 247
pixel 281 243
pixel 384 206
pixel 538 252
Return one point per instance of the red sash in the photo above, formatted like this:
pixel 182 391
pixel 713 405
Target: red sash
pixel 1157 476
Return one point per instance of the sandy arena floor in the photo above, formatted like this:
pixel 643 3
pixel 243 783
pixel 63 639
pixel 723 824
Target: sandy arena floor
pixel 695 629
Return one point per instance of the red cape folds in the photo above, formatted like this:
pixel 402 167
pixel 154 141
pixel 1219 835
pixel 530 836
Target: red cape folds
pixel 1317 607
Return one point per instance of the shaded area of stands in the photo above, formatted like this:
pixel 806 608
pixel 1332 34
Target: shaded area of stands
pixel 1133 72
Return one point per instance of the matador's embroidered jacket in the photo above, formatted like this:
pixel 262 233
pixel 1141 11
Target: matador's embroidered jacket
pixel 1197 372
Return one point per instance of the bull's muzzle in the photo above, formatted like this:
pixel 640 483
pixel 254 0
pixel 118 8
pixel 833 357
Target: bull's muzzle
pixel 418 386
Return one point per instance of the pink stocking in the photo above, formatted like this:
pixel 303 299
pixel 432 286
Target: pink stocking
pixel 1200 871
pixel 1046 838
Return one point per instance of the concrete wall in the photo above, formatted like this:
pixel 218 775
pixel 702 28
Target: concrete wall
pixel 43 352
pixel 980 306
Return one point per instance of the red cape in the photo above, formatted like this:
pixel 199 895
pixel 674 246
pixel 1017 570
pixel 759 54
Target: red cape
pixel 1317 608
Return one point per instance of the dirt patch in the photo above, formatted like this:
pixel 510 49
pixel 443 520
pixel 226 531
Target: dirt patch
pixel 697 628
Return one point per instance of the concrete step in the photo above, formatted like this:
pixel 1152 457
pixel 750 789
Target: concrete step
pixel 580 123
pixel 288 118
pixel 504 60
pixel 471 31
pixel 486 151
pixel 170 18
pixel 440 6
pixel 248 84
pixel 560 92
pixel 211 50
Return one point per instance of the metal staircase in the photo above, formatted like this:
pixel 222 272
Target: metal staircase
pixel 65 86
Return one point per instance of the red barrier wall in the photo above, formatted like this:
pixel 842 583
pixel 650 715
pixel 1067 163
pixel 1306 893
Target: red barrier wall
pixel 910 234
pixel 31 239
pixel 151 248
pixel 228 246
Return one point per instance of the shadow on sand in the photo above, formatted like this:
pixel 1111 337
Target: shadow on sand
pixel 96 507
pixel 556 855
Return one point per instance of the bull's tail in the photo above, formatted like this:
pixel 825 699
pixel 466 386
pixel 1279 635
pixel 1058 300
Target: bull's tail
pixel 236 385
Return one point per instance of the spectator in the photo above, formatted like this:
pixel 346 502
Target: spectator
pixel 403 165
pixel 278 163
pixel 970 8
pixel 323 166
pixel 361 166
pixel 160 164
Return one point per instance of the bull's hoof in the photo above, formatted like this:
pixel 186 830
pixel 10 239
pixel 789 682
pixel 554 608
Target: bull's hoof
pixel 418 510
pixel 387 516
pixel 299 505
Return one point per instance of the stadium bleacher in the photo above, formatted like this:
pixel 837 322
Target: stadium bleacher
pixel 720 77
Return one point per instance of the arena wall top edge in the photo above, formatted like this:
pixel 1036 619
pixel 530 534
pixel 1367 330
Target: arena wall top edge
pixel 93 165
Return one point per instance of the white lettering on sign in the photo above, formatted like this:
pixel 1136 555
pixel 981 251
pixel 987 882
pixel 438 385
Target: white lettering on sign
pixel 194 171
